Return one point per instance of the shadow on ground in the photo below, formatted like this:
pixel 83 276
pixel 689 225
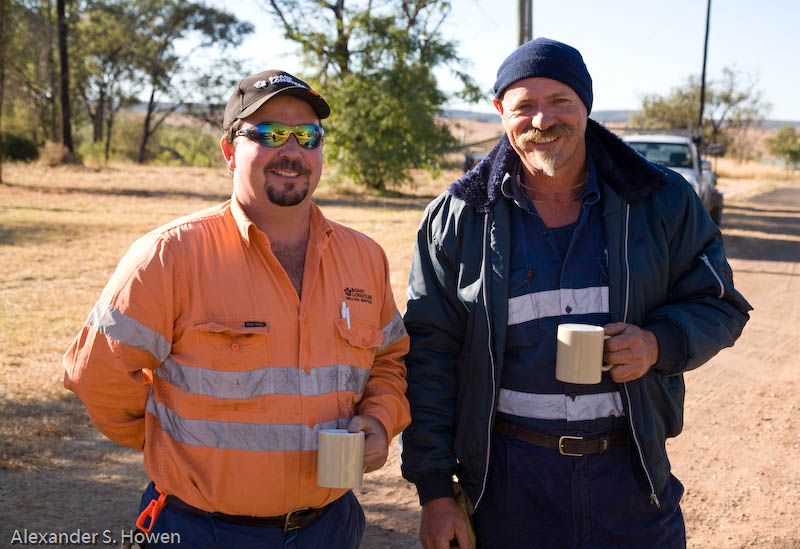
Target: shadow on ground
pixel 755 216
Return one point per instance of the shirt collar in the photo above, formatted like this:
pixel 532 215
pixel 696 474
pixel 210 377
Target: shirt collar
pixel 511 188
pixel 243 223
pixel 320 228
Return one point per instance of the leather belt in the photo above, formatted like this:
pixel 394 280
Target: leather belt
pixel 566 445
pixel 290 521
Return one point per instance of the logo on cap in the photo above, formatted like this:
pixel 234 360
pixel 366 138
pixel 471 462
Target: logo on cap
pixel 282 78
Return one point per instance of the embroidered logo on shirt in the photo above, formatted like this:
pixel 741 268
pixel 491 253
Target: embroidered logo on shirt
pixel 357 294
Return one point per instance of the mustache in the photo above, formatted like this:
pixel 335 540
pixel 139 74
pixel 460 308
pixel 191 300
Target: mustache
pixel 535 135
pixel 289 165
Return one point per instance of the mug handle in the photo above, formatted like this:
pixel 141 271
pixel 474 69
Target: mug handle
pixel 606 367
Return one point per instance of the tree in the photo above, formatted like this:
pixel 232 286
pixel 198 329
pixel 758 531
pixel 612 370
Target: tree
pixel 730 104
pixel 786 145
pixel 374 65
pixel 165 22
pixel 106 61
pixel 32 76
pixel 5 28
pixel 66 120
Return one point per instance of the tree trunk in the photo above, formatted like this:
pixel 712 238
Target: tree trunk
pixel 151 105
pixel 51 100
pixel 66 124
pixel 3 39
pixel 109 125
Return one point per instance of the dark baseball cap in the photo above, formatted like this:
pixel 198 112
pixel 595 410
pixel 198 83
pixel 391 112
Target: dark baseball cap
pixel 254 91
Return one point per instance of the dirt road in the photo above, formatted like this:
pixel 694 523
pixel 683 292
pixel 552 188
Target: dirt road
pixel 739 455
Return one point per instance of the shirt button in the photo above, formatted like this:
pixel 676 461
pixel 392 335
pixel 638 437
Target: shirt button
pixel 235 346
pixel 568 309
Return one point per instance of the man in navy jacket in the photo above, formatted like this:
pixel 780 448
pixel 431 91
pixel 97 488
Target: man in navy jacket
pixel 561 223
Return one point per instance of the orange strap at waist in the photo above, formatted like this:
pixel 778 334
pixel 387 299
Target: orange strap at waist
pixel 152 511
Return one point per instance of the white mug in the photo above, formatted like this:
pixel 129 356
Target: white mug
pixel 340 458
pixel 579 355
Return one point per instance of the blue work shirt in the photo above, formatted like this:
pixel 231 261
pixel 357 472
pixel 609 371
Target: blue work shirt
pixel 558 275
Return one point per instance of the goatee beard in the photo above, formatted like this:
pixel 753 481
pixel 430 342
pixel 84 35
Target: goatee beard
pixel 544 161
pixel 290 193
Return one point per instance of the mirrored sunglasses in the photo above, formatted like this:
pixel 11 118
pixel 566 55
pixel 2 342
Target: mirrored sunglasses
pixel 274 134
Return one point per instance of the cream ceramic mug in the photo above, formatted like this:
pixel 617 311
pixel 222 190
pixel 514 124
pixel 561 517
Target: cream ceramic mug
pixel 579 355
pixel 340 458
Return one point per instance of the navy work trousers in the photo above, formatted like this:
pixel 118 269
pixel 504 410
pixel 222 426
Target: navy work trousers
pixel 342 526
pixel 536 497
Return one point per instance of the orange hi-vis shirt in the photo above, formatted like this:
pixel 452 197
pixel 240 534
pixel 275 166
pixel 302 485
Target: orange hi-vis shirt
pixel 201 354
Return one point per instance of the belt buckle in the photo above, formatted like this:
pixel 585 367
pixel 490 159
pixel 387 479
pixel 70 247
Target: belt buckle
pixel 286 526
pixel 561 445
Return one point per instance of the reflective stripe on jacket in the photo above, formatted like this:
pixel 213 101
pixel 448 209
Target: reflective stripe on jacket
pixel 200 352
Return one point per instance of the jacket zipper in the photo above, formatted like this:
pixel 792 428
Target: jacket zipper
pixel 491 360
pixel 653 496
pixel 704 257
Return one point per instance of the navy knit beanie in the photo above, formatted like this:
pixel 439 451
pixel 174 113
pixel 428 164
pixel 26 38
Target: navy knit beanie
pixel 546 58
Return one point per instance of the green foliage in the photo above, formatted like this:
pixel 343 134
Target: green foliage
pixel 188 146
pixel 374 65
pixel 376 134
pixel 18 147
pixel 679 109
pixel 166 23
pixel 31 69
pixel 730 104
pixel 118 51
pixel 786 145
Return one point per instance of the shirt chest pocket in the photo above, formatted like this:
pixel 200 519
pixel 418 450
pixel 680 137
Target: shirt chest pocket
pixel 356 344
pixel 232 345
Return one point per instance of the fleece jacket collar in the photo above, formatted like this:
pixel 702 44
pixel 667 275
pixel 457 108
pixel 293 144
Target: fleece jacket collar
pixel 627 172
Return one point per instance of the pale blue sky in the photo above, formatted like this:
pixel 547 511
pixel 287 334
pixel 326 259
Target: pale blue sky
pixel 630 47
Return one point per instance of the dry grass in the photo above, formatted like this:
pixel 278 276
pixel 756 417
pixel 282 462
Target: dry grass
pixel 731 169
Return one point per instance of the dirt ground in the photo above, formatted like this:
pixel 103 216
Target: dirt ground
pixel 738 457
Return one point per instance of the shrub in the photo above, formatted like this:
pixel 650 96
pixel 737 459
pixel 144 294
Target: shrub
pixel 56 154
pixel 17 147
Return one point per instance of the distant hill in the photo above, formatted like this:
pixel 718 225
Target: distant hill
pixel 604 117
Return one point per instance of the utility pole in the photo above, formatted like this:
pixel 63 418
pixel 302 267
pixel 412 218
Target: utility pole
pixel 525 21
pixel 698 138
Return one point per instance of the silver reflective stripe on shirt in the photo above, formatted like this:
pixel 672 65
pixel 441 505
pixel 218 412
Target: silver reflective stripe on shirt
pixel 394 331
pixel 273 380
pixel 542 406
pixel 239 436
pixel 128 331
pixel 581 301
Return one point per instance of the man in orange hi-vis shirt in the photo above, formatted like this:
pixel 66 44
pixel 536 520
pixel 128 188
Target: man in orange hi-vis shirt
pixel 227 339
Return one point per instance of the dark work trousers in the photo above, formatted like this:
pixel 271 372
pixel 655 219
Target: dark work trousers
pixel 536 497
pixel 340 527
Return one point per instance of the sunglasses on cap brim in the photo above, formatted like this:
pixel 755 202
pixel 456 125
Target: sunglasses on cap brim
pixel 275 134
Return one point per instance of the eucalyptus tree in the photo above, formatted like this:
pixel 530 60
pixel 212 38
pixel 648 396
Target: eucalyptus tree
pixel 374 64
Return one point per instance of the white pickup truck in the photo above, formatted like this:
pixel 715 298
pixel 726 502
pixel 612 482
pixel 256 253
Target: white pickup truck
pixel 679 154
